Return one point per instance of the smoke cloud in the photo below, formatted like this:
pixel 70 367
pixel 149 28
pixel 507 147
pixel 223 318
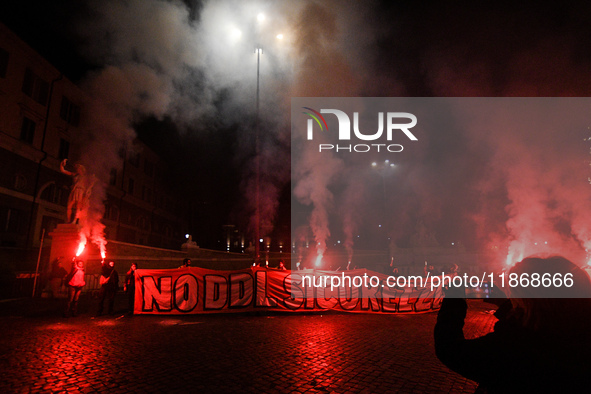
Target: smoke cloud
pixel 488 183
pixel 167 59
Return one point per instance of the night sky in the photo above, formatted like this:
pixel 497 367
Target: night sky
pixel 192 80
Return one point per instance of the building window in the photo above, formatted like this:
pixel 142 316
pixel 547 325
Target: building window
pixel 48 223
pixel 50 194
pixel 20 182
pixel 113 177
pixel 142 223
pixel 148 168
pixel 64 149
pixel 111 212
pixel 130 185
pixel 28 130
pixel 63 194
pixel 114 214
pixel 134 159
pixel 70 112
pixel 146 194
pixel 9 220
pixel 54 194
pixel 3 62
pixel 35 87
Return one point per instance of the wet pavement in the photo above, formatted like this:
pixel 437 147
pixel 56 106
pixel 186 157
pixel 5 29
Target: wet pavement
pixel 40 351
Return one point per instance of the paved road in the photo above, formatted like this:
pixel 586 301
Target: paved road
pixel 278 353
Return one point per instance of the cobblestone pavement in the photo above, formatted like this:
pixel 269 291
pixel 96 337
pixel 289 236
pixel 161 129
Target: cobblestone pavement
pixel 279 353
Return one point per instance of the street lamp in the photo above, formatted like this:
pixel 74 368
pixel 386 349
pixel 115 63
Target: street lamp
pixel 237 34
pixel 382 168
pixel 257 235
pixel 259 52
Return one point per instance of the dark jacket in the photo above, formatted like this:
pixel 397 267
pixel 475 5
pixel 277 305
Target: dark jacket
pixel 512 359
pixel 130 280
pixel 111 273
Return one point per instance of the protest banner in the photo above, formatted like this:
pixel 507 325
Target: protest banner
pixel 198 290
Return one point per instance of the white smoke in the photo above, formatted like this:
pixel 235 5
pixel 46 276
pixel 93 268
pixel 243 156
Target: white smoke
pixel 164 59
pixel 157 60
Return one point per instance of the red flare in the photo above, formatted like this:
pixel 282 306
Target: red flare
pixel 80 248
pixel 318 260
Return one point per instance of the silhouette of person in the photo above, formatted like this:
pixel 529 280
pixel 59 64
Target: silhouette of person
pixel 453 270
pixel 395 272
pixel 186 263
pixel 428 269
pixel 541 341
pixel 129 287
pixel 56 277
pixel 108 288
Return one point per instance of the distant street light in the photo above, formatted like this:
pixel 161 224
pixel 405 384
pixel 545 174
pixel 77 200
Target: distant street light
pixel 236 34
pixel 383 168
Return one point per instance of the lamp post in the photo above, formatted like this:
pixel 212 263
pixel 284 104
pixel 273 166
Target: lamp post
pixel 259 51
pixel 257 248
pixel 383 168
pixel 258 239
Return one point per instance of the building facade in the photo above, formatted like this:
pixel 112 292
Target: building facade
pixel 41 121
